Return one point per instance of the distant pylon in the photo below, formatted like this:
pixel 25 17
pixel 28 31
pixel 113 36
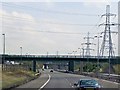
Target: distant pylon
pixel 88 43
pixel 107 40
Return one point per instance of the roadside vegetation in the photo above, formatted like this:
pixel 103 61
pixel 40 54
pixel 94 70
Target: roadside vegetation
pixel 0 77
pixel 104 67
pixel 15 75
pixel 117 68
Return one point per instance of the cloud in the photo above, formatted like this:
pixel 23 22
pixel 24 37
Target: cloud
pixel 22 29
pixel 19 29
pixel 23 16
pixel 17 20
pixel 98 4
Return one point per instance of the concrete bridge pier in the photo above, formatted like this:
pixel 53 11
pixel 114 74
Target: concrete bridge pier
pixel 81 67
pixel 58 66
pixel 45 66
pixel 34 65
pixel 71 66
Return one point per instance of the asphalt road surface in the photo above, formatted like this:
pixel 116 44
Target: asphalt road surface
pixel 62 80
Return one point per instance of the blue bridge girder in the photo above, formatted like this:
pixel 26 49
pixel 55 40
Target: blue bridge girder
pixel 70 59
pixel 115 60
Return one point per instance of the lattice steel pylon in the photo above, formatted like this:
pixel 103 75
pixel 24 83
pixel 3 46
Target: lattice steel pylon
pixel 88 43
pixel 107 40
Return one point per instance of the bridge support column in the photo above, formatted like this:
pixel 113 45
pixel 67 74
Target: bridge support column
pixel 71 66
pixel 58 66
pixel 81 67
pixel 34 65
pixel 45 66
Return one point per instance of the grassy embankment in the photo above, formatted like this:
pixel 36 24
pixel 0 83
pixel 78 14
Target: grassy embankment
pixel 117 68
pixel 0 78
pixel 11 79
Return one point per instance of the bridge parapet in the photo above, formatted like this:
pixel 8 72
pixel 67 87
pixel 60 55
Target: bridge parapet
pixel 59 56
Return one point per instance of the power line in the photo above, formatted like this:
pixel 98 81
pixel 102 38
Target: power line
pixel 37 30
pixel 97 24
pixel 48 11
pixel 48 22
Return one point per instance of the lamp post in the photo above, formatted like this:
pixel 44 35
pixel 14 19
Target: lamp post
pixel 57 53
pixel 80 51
pixel 69 53
pixel 3 44
pixel 74 53
pixel 3 51
pixel 98 37
pixel 47 54
pixel 21 53
pixel 81 63
pixel 83 52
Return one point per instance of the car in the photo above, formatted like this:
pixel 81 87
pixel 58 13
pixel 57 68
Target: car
pixel 51 70
pixel 66 71
pixel 87 84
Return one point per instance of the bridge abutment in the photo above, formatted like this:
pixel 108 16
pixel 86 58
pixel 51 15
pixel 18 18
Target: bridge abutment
pixel 81 67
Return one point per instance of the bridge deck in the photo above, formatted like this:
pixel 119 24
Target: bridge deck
pixel 114 60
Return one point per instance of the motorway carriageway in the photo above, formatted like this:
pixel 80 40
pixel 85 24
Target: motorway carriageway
pixel 61 80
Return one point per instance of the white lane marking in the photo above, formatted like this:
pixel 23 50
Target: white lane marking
pixel 100 79
pixel 106 81
pixel 45 83
pixel 96 79
pixel 69 82
pixel 72 86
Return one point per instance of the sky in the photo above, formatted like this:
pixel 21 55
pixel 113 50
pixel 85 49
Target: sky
pixel 49 26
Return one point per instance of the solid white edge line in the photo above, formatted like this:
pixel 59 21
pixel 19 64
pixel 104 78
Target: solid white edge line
pixel 107 81
pixel 45 83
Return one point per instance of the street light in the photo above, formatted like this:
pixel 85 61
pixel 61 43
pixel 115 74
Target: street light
pixel 74 52
pixel 81 63
pixel 98 37
pixel 69 53
pixel 3 44
pixel 80 51
pixel 83 52
pixel 21 53
pixel 3 51
pixel 47 54
pixel 57 53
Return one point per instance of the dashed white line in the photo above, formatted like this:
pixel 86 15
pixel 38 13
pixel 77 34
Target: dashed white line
pixel 69 82
pixel 45 83
pixel 106 81
pixel 109 81
pixel 72 86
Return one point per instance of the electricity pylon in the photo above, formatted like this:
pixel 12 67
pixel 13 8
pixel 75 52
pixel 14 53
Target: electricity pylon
pixel 88 43
pixel 107 40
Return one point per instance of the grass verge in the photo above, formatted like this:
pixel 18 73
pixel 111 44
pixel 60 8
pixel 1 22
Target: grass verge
pixel 16 78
